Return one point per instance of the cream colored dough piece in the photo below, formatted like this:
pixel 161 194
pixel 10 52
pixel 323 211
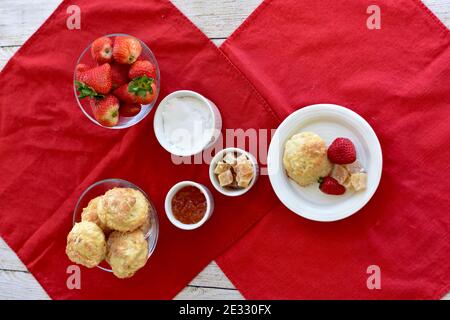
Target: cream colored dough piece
pixel 127 252
pixel 305 158
pixel 86 244
pixel 123 209
pixel 90 213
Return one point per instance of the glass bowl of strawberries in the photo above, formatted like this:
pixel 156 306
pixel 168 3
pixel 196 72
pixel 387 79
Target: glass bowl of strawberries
pixel 116 81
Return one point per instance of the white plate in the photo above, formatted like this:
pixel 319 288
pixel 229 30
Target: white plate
pixel 328 121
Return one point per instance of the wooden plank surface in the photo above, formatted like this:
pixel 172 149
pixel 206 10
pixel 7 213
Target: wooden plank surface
pixel 19 19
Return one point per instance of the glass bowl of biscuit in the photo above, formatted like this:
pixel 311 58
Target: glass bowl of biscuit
pixel 115 220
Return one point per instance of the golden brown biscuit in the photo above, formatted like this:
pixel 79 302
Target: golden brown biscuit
pixel 305 158
pixel 86 244
pixel 123 209
pixel 127 252
pixel 90 213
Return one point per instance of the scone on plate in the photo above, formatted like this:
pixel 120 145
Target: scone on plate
pixel 127 252
pixel 86 244
pixel 305 158
pixel 90 213
pixel 123 209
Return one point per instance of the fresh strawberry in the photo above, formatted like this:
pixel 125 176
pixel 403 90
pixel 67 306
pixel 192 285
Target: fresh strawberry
pixel 342 151
pixel 81 67
pixel 123 95
pixel 141 68
pixel 119 73
pixel 106 110
pixel 126 49
pixel 94 82
pixel 141 90
pixel 102 49
pixel 129 109
pixel 330 185
pixel 144 88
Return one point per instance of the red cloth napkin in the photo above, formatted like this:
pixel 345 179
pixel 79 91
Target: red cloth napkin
pixel 50 152
pixel 299 53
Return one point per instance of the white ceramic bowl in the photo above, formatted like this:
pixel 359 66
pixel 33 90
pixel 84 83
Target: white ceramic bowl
pixel 158 124
pixel 329 122
pixel 171 194
pixel 215 181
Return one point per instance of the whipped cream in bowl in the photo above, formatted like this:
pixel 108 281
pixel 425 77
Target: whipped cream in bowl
pixel 186 123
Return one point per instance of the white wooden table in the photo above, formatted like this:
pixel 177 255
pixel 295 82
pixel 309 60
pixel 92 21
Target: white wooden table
pixel 218 19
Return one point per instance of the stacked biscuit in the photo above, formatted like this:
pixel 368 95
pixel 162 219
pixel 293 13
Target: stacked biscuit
pixel 112 227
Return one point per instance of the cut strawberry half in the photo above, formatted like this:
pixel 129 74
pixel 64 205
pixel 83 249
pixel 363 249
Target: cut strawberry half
pixel 331 186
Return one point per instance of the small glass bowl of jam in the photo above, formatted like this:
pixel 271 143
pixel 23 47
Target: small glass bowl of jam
pixel 189 205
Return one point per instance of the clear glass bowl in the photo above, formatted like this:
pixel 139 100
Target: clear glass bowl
pixel 98 189
pixel 124 122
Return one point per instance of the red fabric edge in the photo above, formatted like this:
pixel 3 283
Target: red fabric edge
pixel 246 22
pixel 217 49
pixel 32 38
pixel 432 16
pixel 26 44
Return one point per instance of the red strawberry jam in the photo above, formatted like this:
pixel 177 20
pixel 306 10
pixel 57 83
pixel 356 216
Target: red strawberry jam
pixel 189 205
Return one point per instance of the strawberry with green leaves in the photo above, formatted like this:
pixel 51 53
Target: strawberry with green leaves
pixel 141 90
pixel 94 82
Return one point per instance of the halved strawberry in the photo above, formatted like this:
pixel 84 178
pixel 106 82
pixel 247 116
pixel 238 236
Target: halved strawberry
pixel 126 49
pixel 141 90
pixel 331 186
pixel 141 68
pixel 129 109
pixel 102 49
pixel 94 82
pixel 106 110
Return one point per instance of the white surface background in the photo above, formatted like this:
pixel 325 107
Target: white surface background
pixel 19 19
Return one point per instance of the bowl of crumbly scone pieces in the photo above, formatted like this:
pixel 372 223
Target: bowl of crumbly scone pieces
pixel 233 171
pixel 115 228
